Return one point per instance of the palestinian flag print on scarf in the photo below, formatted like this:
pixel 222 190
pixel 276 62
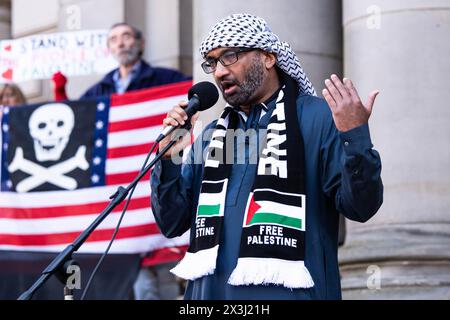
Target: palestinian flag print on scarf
pixel 270 223
pixel 262 210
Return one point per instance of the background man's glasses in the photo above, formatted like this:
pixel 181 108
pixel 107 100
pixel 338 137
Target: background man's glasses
pixel 226 59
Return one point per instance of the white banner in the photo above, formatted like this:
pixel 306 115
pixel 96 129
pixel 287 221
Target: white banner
pixel 40 56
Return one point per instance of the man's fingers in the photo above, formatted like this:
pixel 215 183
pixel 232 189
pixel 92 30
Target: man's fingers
pixel 176 116
pixel 351 89
pixel 333 91
pixel 329 99
pixel 169 122
pixel 371 100
pixel 340 86
pixel 179 119
pixel 180 111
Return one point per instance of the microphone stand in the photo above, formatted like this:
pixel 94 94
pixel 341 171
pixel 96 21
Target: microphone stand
pixel 64 259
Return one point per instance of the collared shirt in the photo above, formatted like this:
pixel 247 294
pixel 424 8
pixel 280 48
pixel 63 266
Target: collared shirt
pixel 122 84
pixel 342 175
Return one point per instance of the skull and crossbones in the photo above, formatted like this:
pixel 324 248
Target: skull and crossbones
pixel 50 127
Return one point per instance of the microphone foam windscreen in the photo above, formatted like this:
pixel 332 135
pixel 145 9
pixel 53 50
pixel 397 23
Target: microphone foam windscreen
pixel 206 92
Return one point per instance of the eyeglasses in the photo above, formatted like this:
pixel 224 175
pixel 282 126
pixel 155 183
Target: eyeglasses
pixel 226 59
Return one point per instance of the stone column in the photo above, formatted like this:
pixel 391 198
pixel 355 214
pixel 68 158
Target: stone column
pixel 5 19
pixel 167 27
pixel 313 28
pixel 162 32
pixel 402 49
pixel 186 36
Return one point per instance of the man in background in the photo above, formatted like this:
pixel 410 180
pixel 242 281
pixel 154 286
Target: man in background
pixel 126 44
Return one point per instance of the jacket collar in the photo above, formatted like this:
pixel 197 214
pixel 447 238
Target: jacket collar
pixel 144 72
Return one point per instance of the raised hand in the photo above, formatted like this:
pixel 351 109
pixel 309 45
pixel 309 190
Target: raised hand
pixel 345 104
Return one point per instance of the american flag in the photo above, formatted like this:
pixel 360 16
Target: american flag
pixel 47 220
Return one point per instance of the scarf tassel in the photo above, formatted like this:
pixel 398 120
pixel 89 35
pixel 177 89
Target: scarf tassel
pixel 265 271
pixel 197 265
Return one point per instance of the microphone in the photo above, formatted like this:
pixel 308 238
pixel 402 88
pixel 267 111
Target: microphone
pixel 202 96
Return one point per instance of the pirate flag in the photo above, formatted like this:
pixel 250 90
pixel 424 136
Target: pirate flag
pixel 60 163
pixel 52 148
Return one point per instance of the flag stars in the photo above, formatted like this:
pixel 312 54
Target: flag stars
pixel 99 125
pixel 6 110
pixel 5 146
pixel 9 184
pixel 97 161
pixel 95 178
pixel 99 143
pixel 5 127
pixel 101 106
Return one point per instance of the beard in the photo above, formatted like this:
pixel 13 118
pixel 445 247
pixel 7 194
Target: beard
pixel 244 94
pixel 127 57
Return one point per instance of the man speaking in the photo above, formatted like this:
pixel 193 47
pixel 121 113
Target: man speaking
pixel 267 229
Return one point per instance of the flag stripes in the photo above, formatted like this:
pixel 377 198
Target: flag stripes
pixel 68 211
pixel 48 221
pixel 267 217
pixel 119 152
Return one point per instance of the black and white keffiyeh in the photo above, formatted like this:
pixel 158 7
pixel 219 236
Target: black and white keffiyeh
pixel 249 31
